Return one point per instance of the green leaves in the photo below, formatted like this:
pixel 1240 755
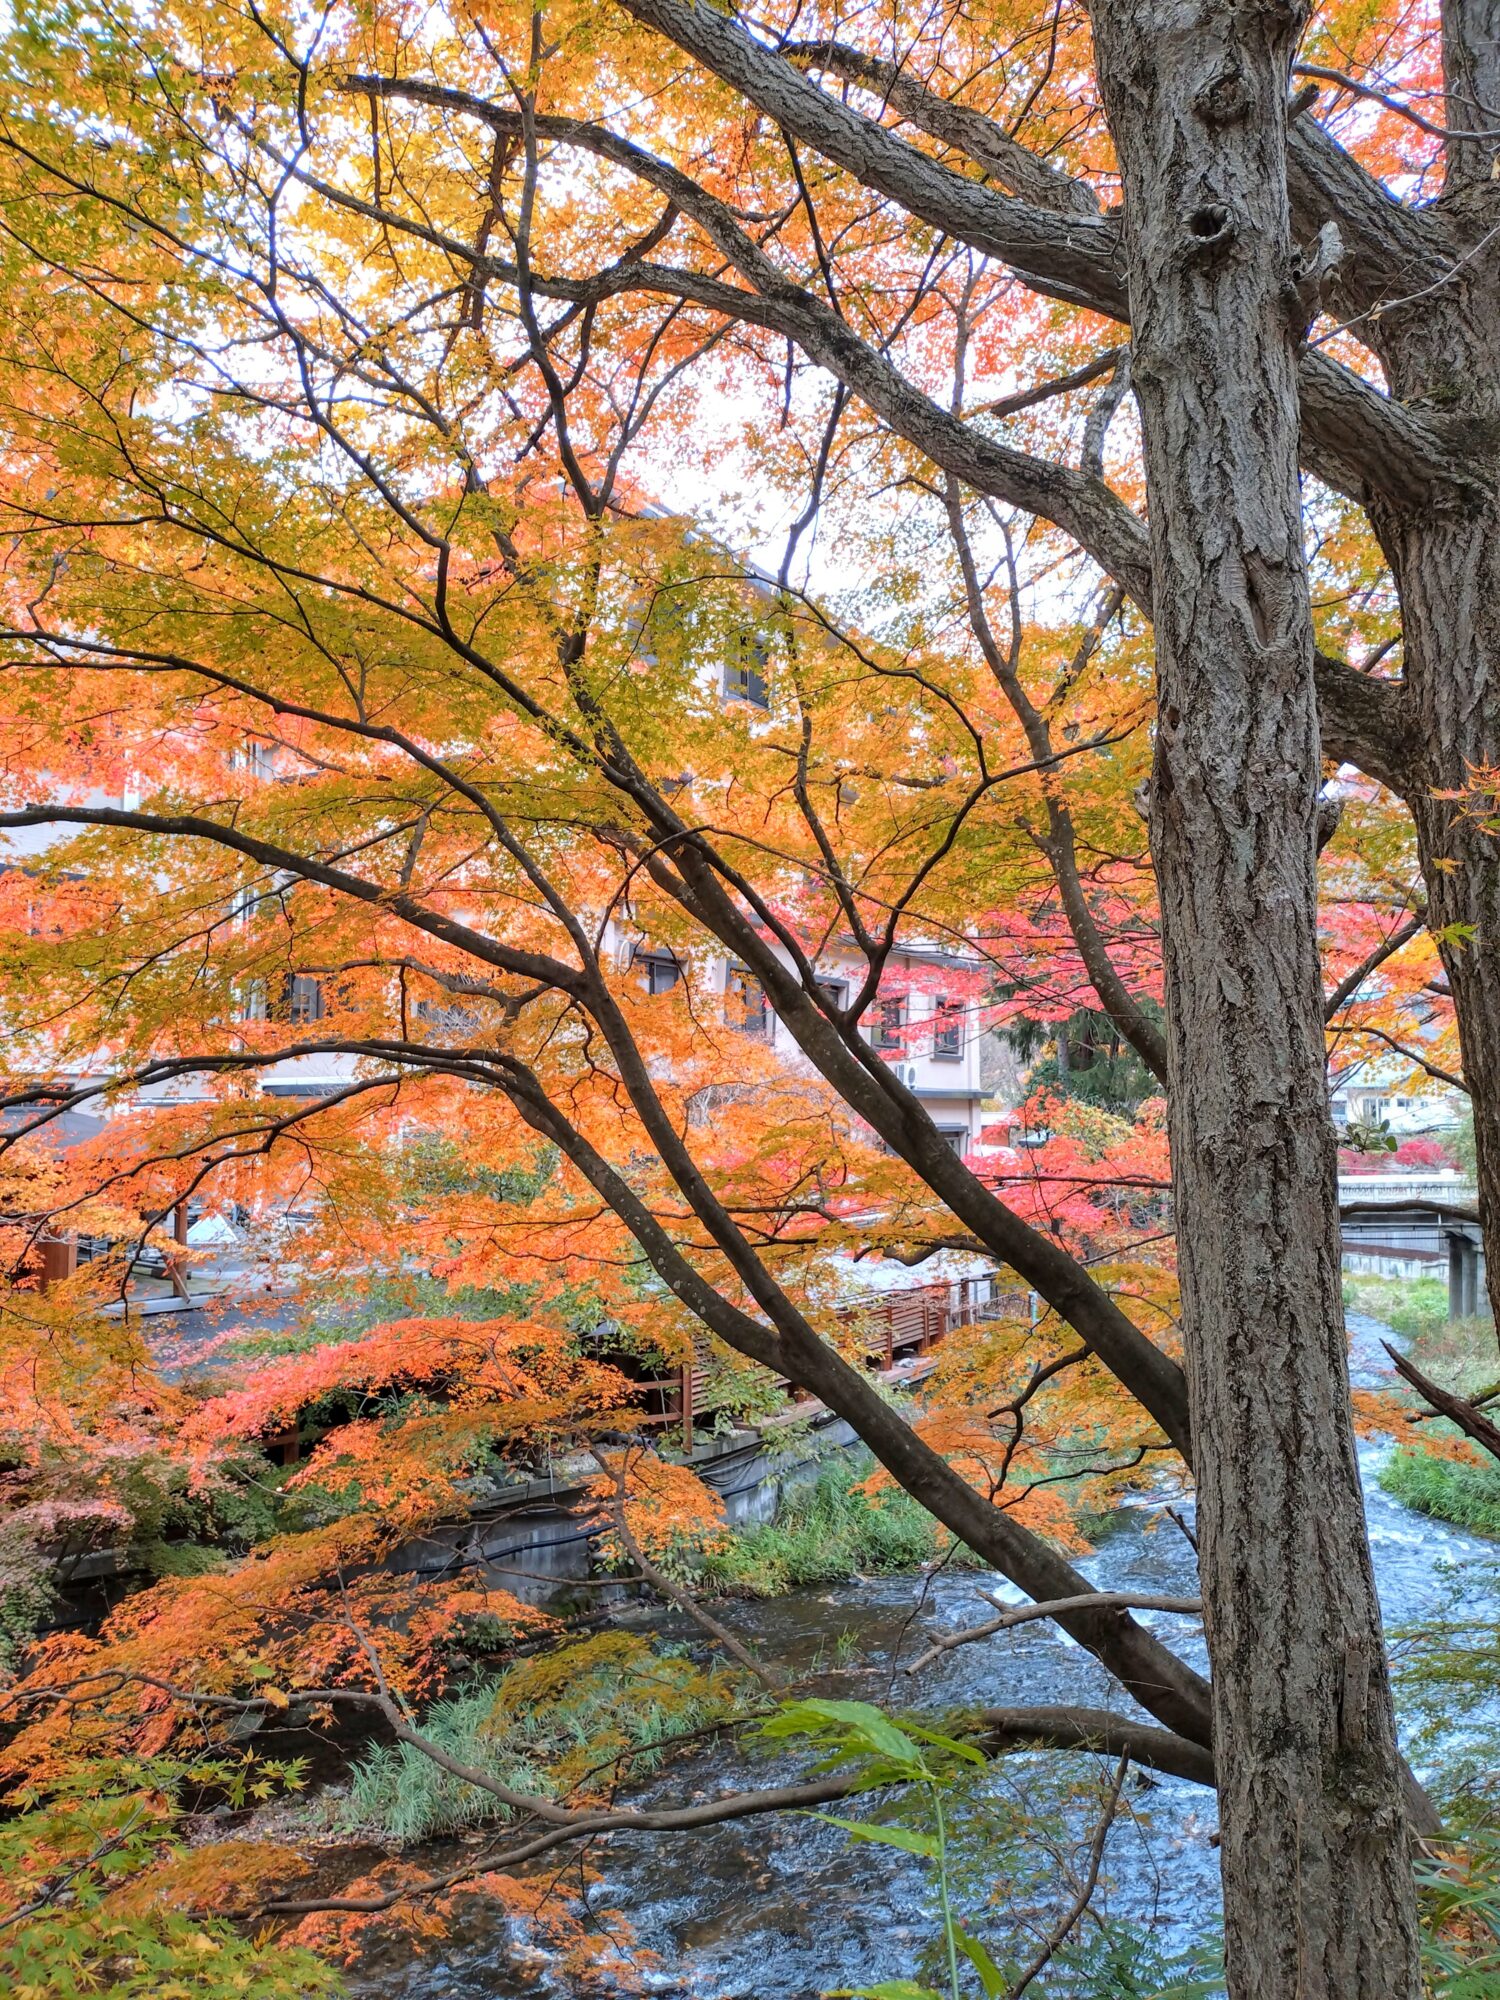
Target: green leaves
pixel 1370 1136
pixel 882 1752
pixel 891 1836
pixel 1459 1903
pixel 990 1976
pixel 89 1862
pixel 852 1732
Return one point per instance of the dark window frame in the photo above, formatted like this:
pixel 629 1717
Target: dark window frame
pixel 655 964
pixel 306 1001
pixel 948 1031
pixel 745 678
pixel 741 984
pixel 888 1030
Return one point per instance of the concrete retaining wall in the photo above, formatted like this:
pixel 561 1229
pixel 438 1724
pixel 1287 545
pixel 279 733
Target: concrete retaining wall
pixel 536 1543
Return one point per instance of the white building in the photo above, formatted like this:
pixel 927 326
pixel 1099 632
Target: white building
pixel 298 1001
pixel 926 1021
pixel 1379 1090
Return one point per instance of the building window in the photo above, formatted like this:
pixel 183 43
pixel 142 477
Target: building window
pixel 660 625
pixel 835 992
pixel 955 1137
pixel 748 1008
pixel 298 999
pixel 256 759
pixel 890 1020
pixel 948 1030
pixel 745 674
pixel 659 970
pixel 304 1000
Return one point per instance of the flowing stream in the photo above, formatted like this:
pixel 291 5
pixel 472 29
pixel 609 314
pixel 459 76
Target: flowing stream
pixel 787 1908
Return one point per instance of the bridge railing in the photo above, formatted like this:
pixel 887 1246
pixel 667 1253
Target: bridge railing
pixel 1454 1189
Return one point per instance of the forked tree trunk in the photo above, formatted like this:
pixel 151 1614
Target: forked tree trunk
pixel 1316 1864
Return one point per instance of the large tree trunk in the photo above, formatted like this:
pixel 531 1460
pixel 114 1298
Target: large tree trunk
pixel 1442 353
pixel 1471 77
pixel 1317 1871
pixel 1449 576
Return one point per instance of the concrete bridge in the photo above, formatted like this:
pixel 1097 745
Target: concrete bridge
pixel 1404 1224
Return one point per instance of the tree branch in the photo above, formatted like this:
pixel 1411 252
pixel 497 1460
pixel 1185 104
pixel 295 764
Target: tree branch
pixel 1469 1420
pixel 1350 984
pixel 1059 1933
pixel 1432 1069
pixel 1020 171
pixel 1026 1614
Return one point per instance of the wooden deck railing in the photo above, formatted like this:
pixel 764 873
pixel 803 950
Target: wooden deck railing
pixel 896 1327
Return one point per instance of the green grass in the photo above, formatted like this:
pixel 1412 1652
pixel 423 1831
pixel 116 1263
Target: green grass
pixel 1415 1307
pixel 1466 1495
pixel 1461 1353
pixel 826 1531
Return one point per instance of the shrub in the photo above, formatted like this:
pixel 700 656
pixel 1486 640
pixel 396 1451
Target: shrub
pixel 1423 1154
pixel 542 1727
pixel 1459 1353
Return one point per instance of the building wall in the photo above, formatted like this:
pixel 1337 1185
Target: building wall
pixel 936 1045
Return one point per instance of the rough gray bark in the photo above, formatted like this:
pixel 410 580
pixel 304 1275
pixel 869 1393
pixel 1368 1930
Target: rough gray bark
pixel 1353 437
pixel 1382 451
pixel 1471 78
pixel 1403 457
pixel 1310 1783
pixel 1449 570
pixel 1442 352
pixel 1363 438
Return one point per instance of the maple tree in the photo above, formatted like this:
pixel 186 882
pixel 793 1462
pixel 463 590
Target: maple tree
pixel 346 367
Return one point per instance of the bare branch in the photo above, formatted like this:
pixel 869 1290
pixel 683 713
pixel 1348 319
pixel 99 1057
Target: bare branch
pixel 1417 1061
pixel 983 139
pixel 1469 1420
pixel 1059 1934
pixel 1026 1614
pixel 673 1592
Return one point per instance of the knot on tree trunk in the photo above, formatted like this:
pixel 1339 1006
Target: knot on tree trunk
pixel 1314 267
pixel 1225 100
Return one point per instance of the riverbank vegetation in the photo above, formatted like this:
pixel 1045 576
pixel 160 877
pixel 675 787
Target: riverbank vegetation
pixel 1465 1493
pixel 1431 1470
pixel 546 1726
pixel 829 1529
pixel 608 610
pixel 1460 1352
